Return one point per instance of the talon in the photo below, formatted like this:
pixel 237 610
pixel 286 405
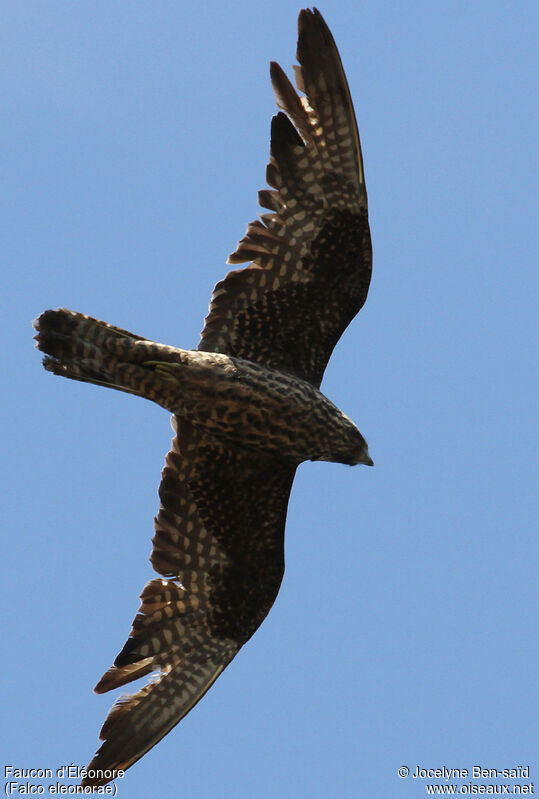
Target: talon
pixel 164 370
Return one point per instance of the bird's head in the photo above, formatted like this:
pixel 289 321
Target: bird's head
pixel 360 454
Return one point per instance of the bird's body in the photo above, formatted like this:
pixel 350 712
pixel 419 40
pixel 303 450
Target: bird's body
pixel 246 404
pixel 239 401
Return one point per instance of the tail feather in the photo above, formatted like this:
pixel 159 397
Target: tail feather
pixel 86 349
pixel 75 346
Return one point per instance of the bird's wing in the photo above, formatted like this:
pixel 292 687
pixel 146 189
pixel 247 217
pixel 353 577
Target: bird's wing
pixel 311 256
pixel 219 543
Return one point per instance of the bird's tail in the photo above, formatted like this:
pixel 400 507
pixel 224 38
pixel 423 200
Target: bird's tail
pixel 83 348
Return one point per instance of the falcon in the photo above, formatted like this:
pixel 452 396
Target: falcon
pixel 246 404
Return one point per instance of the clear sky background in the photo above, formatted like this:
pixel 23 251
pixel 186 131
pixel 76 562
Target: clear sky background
pixel 134 139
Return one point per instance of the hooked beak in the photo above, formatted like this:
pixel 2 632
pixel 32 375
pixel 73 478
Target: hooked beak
pixel 366 458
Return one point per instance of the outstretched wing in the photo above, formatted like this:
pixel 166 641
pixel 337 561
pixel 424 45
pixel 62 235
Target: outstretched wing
pixel 311 257
pixel 219 543
pixel 220 528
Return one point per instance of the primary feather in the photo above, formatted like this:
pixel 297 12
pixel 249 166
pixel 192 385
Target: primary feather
pixel 246 405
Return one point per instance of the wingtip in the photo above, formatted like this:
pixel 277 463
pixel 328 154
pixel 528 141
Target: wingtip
pixel 312 17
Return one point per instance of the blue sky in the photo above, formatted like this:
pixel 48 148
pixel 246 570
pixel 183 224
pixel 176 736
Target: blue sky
pixel 134 140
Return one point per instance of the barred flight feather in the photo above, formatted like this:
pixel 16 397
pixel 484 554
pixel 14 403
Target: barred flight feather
pixel 246 404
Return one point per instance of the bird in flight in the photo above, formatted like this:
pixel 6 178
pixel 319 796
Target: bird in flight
pixel 246 404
